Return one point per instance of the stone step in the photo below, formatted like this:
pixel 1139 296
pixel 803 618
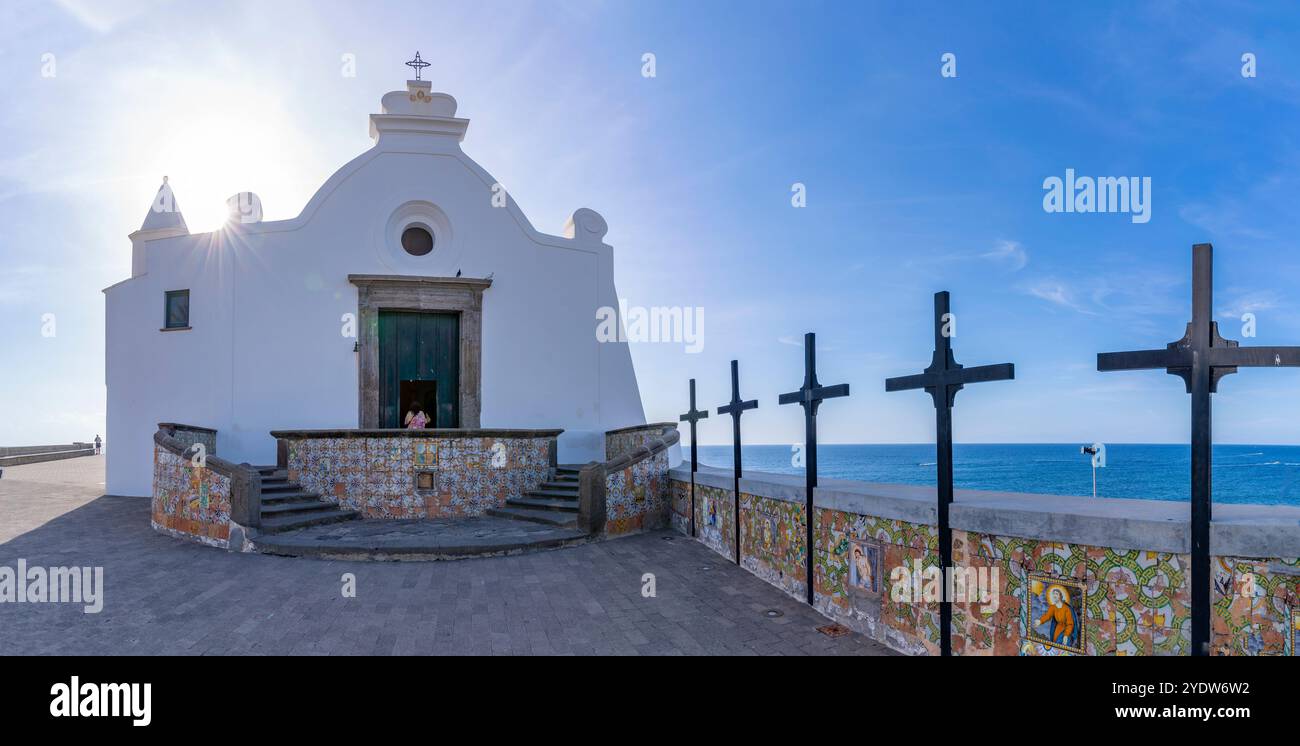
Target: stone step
pixel 299 506
pixel 378 539
pixel 297 493
pixel 281 484
pixel 549 517
pixel 553 494
pixel 315 518
pixel 568 506
pixel 571 469
pixel 561 487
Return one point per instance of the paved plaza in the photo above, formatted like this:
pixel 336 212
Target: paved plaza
pixel 164 596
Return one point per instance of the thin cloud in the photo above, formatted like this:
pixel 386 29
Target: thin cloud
pixel 1057 293
pixel 1008 253
pixel 16 283
pixel 102 16
pixel 798 342
pixel 1265 300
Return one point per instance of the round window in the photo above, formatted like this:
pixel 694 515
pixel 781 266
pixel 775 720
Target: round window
pixel 417 240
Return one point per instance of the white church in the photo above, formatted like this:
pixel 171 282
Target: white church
pixel 409 275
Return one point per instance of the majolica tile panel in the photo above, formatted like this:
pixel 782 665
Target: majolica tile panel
pixel 849 547
pixel 679 494
pixel 715 519
pixel 773 541
pixel 1040 597
pixel 189 500
pixel 1255 606
pixel 638 498
pixel 419 477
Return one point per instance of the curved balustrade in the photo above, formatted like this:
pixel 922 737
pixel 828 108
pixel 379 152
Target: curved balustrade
pixel 628 492
pixel 196 494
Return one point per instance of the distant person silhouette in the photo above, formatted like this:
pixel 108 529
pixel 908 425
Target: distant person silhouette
pixel 99 444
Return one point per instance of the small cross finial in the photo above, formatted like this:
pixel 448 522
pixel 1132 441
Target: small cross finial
pixel 418 64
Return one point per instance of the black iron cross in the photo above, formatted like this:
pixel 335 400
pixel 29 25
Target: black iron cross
pixel 943 379
pixel 1201 358
pixel 418 64
pixel 810 396
pixel 736 408
pixel 693 417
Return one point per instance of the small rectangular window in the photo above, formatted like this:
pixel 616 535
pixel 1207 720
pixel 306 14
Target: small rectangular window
pixel 176 309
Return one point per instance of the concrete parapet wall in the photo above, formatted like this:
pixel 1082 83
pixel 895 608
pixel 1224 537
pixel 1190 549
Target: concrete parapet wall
pixel 1125 564
pixel 35 454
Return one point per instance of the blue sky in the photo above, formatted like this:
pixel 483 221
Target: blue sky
pixel 915 183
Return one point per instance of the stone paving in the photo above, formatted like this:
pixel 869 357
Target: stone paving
pixel 165 596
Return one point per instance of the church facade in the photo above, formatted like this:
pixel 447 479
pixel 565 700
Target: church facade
pixel 409 276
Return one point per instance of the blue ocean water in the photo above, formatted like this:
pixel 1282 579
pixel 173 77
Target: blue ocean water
pixel 1242 474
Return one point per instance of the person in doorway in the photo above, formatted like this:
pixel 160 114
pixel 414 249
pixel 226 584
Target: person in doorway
pixel 416 419
pixel 99 445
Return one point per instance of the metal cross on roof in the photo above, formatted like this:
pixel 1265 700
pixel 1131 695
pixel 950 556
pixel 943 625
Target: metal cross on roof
pixel 943 379
pixel 810 397
pixel 693 416
pixel 736 408
pixel 1201 358
pixel 418 64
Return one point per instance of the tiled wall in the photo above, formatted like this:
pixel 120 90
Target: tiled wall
pixel 636 498
pixel 1121 602
pixel 621 442
pixel 1262 616
pixel 714 515
pixel 378 476
pixel 189 501
pixel 190 437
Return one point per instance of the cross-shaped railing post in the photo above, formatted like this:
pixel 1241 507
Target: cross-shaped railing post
pixel 942 380
pixel 693 416
pixel 736 408
pixel 810 396
pixel 1201 358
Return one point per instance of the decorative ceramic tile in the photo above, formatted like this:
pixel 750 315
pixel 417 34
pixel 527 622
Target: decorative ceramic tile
pixel 189 500
pixel 377 476
pixel 637 498
pixel 1120 602
pixel 1056 612
pixel 1295 632
pixel 864 566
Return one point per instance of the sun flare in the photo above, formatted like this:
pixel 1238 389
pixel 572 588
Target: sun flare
pixel 219 150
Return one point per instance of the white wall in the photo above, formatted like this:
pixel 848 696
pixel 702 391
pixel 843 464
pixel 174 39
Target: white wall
pixel 155 376
pixel 266 302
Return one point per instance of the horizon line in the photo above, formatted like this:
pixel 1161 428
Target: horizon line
pixel 1018 443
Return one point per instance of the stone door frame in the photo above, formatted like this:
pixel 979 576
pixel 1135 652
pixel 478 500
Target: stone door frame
pixel 462 296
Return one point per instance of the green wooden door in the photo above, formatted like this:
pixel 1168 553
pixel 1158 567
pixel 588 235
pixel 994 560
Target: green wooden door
pixel 419 358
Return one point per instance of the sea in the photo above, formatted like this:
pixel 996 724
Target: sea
pixel 1241 474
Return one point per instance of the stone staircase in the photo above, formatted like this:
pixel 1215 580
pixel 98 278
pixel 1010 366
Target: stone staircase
pixel 554 503
pixel 287 506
